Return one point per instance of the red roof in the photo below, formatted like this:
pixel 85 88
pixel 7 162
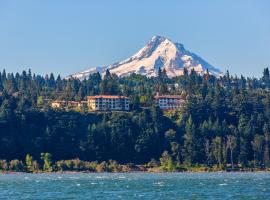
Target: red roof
pixel 107 97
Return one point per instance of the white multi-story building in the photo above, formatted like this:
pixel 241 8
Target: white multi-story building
pixel 169 102
pixel 108 102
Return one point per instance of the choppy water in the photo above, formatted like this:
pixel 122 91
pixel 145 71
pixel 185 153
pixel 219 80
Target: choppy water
pixel 136 186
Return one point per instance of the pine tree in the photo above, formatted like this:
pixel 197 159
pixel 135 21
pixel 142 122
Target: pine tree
pixel 266 77
pixel 189 142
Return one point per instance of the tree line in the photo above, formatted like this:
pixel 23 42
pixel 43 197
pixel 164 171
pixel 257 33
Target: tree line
pixel 224 123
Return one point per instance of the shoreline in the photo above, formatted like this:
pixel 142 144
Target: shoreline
pixel 133 171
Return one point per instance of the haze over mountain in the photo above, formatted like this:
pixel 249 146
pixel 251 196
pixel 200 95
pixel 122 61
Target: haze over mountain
pixel 159 52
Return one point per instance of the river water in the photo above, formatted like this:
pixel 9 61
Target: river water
pixel 131 186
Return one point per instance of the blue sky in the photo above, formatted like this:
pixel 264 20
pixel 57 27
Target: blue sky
pixel 69 36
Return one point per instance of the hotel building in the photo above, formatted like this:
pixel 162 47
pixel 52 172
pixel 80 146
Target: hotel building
pixel 108 102
pixel 169 102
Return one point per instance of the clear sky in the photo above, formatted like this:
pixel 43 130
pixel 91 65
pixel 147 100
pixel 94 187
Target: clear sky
pixel 64 36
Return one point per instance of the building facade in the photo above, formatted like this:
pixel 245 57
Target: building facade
pixel 68 104
pixel 108 102
pixel 83 104
pixel 58 104
pixel 169 102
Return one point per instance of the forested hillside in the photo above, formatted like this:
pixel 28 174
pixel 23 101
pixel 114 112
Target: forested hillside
pixel 225 121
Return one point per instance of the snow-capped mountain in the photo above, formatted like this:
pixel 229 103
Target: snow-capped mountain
pixel 160 52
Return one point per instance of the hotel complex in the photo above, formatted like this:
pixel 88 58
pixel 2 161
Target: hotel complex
pixel 108 102
pixel 118 103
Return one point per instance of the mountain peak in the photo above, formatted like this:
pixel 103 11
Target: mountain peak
pixel 160 52
pixel 157 37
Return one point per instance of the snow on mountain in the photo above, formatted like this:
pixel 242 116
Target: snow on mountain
pixel 160 52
